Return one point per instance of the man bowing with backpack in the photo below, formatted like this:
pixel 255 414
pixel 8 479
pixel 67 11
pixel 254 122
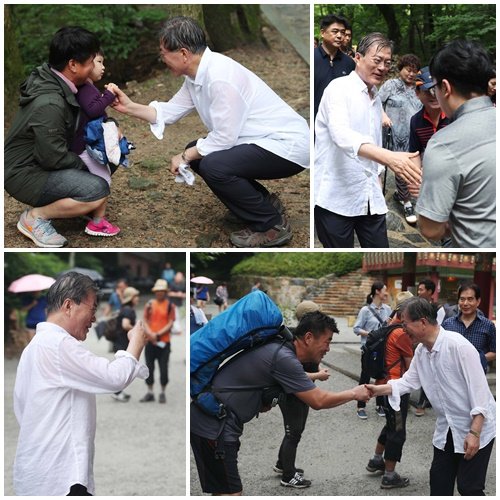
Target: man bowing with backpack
pixel 239 384
pixel 398 352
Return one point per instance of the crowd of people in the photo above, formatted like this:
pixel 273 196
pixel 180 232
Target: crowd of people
pixel 441 350
pixel 366 122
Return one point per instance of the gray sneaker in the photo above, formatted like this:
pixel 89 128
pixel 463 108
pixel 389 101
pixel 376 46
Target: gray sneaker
pixel 396 482
pixel 40 231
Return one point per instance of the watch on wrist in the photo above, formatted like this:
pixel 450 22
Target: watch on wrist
pixel 474 433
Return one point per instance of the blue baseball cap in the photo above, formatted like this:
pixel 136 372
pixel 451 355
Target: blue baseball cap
pixel 424 79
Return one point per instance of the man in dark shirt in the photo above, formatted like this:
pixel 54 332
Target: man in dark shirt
pixel 271 365
pixel 329 60
pixel 477 329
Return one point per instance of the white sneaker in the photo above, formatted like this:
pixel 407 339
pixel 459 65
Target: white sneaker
pixel 410 216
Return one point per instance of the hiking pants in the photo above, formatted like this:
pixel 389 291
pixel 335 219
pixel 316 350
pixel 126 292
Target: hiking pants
pixel 364 378
pixel 393 434
pixel 231 174
pixel 294 413
pixel 152 353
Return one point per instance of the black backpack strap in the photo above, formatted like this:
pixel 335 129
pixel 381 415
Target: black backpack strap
pixel 379 319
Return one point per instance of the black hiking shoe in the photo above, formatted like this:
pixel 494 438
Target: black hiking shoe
pixel 396 482
pixel 375 465
pixel 296 481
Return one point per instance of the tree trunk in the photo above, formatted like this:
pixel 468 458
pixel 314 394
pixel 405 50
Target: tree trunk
pixel 393 31
pixel 13 68
pixel 230 26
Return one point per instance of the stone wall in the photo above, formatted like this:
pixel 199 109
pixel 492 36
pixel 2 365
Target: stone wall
pixel 286 292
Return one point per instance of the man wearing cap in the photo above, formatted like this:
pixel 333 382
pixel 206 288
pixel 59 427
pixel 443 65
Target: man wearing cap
pixel 54 395
pixel 426 122
pixel 126 320
pixel 458 192
pixel 389 447
pixel 159 316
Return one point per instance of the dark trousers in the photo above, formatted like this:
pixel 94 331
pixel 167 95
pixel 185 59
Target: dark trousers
pixel 337 231
pixel 393 434
pixel 231 174
pixel 78 490
pixel 423 402
pixel 469 474
pixel 402 189
pixel 294 413
pixel 364 378
pixel 153 353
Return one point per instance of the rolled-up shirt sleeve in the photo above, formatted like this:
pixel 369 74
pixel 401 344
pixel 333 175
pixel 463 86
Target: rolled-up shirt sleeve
pixel 476 382
pixel 169 112
pixel 80 369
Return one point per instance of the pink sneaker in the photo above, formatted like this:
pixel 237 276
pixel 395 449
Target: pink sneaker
pixel 103 228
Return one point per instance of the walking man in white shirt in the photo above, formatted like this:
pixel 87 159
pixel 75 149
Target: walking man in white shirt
pixel 252 133
pixel 54 394
pixel 447 367
pixel 349 154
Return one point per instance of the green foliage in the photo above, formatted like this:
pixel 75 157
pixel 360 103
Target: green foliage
pixel 118 27
pixel 304 265
pixel 423 27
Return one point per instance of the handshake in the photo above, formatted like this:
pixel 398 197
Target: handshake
pixel 367 391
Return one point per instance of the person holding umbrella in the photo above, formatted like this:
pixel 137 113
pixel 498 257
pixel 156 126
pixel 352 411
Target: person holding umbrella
pixel 33 301
pixel 201 293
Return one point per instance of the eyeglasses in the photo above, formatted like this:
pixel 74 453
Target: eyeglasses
pixel 377 61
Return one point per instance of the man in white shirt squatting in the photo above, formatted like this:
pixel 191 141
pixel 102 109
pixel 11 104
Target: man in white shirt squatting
pixel 54 394
pixel 252 133
pixel 349 156
pixel 447 367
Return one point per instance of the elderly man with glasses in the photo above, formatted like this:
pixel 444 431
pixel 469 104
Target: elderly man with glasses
pixel 447 367
pixel 54 395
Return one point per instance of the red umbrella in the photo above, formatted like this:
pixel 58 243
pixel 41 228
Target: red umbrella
pixel 31 283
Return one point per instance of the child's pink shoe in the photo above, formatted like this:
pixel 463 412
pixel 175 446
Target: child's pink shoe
pixel 102 228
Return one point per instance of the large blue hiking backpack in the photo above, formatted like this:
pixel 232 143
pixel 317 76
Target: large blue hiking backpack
pixel 251 322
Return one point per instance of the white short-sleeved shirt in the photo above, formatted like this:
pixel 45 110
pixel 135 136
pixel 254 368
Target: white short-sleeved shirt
pixel 54 403
pixel 345 183
pixel 236 107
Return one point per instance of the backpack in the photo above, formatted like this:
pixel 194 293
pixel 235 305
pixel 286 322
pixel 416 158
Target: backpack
pixel 107 328
pixel 373 352
pixel 251 322
pixel 148 309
